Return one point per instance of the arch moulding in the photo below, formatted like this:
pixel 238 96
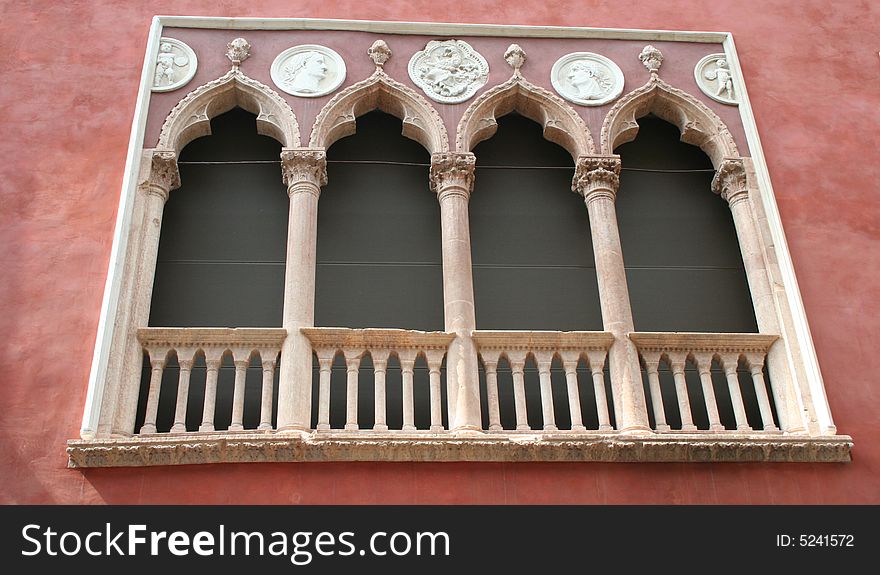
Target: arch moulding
pixel 191 117
pixel 698 124
pixel 562 125
pixel 421 121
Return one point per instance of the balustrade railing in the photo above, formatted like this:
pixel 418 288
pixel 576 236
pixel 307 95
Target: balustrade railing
pixel 732 354
pixel 516 347
pixel 242 344
pixel 380 344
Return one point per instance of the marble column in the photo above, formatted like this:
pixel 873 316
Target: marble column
pixel 452 179
pixel 304 171
pixel 731 183
pixel 597 179
pixel 162 177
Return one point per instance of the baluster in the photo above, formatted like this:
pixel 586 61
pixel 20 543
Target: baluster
pixel 241 359
pixel 704 366
pixel 652 361
pixel 352 364
pixel 730 362
pixel 157 364
pixel 519 393
pixel 267 360
pixel 677 362
pixel 597 363
pixel 325 363
pixel 491 366
pixel 544 359
pixel 407 362
pixel 182 390
pixel 756 366
pixel 380 364
pixel 213 358
pixel 434 360
pixel 569 364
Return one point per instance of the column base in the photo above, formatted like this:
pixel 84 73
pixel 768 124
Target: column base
pixel 323 427
pixel 523 427
pixel 496 428
pixel 662 428
pixel 236 427
pixel 147 429
pixel 551 428
pixel 351 427
pixel 380 427
pixel 178 428
pixel 409 427
pixel 265 427
pixel 206 427
pixel 689 427
pixel 606 428
pixel 716 427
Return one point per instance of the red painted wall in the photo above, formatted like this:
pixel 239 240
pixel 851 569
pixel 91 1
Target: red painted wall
pixel 69 80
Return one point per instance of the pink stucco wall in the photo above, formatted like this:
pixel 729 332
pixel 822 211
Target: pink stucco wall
pixel 70 73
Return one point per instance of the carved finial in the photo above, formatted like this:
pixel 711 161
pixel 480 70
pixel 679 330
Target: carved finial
pixel 379 52
pixel 652 58
pixel 516 57
pixel 238 51
pixel 730 180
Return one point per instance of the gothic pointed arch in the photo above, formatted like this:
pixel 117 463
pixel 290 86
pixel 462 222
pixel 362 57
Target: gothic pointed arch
pixel 191 117
pixel 421 121
pixel 562 125
pixel 698 124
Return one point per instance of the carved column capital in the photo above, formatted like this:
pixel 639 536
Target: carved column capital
pixel 304 170
pixel 452 173
pixel 730 181
pixel 163 176
pixel 596 176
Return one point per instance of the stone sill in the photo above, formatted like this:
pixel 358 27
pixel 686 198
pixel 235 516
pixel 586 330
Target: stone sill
pixel 247 447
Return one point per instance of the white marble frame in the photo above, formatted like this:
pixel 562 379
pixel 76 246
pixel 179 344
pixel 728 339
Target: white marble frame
pixel 770 219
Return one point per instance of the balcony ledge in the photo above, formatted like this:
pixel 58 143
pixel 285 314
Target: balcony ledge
pixel 247 447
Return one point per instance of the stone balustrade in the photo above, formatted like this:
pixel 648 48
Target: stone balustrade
pixel 242 344
pixel 380 344
pixel 739 357
pixel 517 347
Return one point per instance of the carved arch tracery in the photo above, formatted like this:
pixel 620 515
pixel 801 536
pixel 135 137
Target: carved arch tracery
pixel 421 121
pixel 562 124
pixel 191 117
pixel 698 124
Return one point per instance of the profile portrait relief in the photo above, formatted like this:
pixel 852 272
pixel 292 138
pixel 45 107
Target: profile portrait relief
pixel 587 79
pixel 308 71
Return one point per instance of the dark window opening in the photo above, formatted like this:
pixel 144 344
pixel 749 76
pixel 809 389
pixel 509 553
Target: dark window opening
pixel 683 264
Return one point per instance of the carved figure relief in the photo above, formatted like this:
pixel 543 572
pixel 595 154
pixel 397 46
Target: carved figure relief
pixel 715 79
pixel 308 71
pixel 175 65
pixel 587 79
pixel 449 71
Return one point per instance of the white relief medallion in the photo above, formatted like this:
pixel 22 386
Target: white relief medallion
pixel 449 71
pixel 715 79
pixel 587 79
pixel 308 71
pixel 176 65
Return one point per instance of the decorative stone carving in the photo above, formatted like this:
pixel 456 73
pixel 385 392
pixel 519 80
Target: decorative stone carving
pixel 715 79
pixel 164 175
pixel 176 65
pixel 730 180
pixel 562 125
pixel 449 71
pixel 596 174
pixel 453 170
pixel 516 57
pixel 652 58
pixel 191 117
pixel 238 51
pixel 379 52
pixel 699 125
pixel 304 165
pixel 421 121
pixel 308 71
pixel 587 79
